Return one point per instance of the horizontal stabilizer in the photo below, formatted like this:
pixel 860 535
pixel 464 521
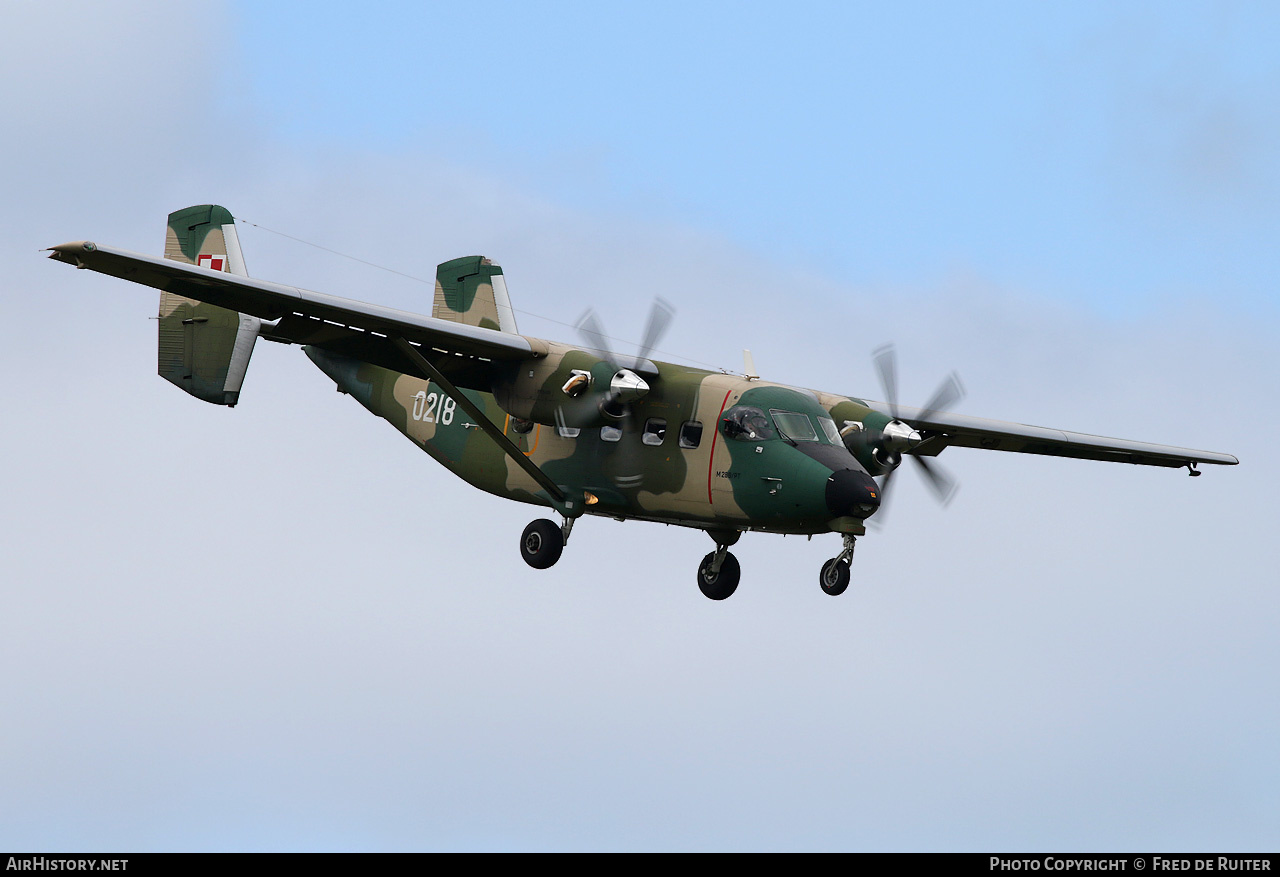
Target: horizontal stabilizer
pixel 297 307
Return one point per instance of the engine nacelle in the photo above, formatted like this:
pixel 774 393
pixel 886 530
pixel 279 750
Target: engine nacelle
pixel 878 441
pixel 568 387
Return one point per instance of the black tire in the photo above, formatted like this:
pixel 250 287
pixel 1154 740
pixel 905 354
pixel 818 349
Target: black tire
pixel 834 577
pixel 542 543
pixel 723 584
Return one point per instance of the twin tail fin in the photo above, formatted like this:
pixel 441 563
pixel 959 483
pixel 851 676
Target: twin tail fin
pixel 205 349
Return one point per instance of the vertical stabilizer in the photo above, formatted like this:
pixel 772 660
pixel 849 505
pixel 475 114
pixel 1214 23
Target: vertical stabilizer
pixel 205 349
pixel 472 290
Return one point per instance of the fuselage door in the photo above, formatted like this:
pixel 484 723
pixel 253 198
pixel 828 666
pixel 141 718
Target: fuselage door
pixel 721 395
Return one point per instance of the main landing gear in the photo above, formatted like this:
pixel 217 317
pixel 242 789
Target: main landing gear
pixel 719 572
pixel 543 542
pixel 834 577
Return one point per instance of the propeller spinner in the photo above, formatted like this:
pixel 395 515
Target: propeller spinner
pixel 625 386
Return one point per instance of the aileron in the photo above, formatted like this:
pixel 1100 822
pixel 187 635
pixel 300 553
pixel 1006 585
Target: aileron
pixel 963 431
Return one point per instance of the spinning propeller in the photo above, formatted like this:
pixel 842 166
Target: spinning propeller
pixel 625 386
pixel 898 436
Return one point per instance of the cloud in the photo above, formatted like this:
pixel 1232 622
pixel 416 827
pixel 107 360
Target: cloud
pixel 1189 120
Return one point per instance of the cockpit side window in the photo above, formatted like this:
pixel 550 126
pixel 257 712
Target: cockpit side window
pixel 829 427
pixel 794 425
pixel 744 423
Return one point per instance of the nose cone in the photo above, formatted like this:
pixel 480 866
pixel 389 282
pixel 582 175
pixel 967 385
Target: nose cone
pixel 852 492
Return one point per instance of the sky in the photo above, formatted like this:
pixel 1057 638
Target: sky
pixel 280 627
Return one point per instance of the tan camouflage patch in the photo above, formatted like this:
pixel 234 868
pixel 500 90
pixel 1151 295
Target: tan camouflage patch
pixel 420 403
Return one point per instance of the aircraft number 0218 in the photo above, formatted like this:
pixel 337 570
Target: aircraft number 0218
pixel 433 407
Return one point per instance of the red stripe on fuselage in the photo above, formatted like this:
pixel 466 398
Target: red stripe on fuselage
pixel 715 431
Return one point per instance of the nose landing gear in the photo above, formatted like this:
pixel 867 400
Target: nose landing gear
pixel 834 577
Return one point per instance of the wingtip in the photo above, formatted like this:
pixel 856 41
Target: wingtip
pixel 72 252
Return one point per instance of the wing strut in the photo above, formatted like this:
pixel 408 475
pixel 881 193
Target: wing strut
pixel 508 447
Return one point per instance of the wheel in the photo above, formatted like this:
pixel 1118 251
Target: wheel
pixel 723 584
pixel 834 577
pixel 542 543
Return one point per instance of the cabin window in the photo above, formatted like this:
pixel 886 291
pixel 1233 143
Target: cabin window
pixel 610 433
pixel 794 425
pixel 655 430
pixel 746 424
pixel 690 434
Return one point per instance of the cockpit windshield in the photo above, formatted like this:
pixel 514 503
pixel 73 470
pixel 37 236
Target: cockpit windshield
pixel 794 425
pixel 746 424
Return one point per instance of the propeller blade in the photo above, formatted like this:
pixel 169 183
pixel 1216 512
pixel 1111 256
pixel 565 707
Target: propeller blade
pixel 660 316
pixel 886 361
pixel 949 392
pixel 593 334
pixel 943 485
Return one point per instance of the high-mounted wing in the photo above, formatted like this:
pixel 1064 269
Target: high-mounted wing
pixel 944 429
pixel 304 316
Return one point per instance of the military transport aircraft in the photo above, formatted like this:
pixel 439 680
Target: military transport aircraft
pixel 576 428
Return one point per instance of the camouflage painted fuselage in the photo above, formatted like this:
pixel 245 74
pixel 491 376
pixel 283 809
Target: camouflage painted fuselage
pixel 573 428
pixel 718 484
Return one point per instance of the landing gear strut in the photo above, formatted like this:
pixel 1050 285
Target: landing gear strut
pixel 719 572
pixel 834 577
pixel 543 541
